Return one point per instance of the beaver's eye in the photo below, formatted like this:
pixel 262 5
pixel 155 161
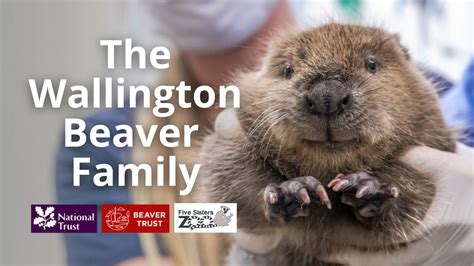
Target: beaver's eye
pixel 371 65
pixel 288 71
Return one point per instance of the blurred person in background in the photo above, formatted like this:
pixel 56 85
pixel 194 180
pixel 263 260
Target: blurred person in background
pixel 214 39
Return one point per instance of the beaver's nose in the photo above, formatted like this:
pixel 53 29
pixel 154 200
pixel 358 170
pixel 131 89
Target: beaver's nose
pixel 327 98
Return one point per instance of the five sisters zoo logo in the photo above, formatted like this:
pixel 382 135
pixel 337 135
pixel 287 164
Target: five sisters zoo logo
pixel 205 218
pixel 57 218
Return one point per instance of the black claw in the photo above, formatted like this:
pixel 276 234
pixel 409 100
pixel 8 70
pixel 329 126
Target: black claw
pixel 363 192
pixel 294 196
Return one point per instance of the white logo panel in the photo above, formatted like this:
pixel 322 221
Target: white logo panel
pixel 205 218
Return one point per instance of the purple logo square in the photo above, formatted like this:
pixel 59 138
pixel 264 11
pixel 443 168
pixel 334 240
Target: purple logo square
pixel 63 218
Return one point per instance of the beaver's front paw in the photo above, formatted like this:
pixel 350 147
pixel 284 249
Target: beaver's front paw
pixel 291 198
pixel 363 192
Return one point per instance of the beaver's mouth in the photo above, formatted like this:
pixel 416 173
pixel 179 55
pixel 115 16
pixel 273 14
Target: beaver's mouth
pixel 331 142
pixel 332 137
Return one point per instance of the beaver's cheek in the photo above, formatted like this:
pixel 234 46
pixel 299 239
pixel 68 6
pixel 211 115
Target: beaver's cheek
pixel 376 127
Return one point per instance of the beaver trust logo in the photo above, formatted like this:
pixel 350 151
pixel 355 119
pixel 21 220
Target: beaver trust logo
pixel 205 218
pixel 117 219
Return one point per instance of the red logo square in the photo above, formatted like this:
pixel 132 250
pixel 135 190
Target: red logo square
pixel 135 218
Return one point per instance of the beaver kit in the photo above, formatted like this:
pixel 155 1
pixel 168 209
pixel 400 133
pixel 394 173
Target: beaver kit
pixel 325 119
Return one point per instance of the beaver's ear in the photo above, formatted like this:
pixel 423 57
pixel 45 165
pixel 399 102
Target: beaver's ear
pixel 396 37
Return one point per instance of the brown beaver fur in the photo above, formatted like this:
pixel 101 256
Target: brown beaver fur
pixel 325 119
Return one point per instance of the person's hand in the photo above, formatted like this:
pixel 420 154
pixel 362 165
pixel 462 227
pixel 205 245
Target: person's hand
pixel 440 163
pixel 227 124
pixel 454 174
